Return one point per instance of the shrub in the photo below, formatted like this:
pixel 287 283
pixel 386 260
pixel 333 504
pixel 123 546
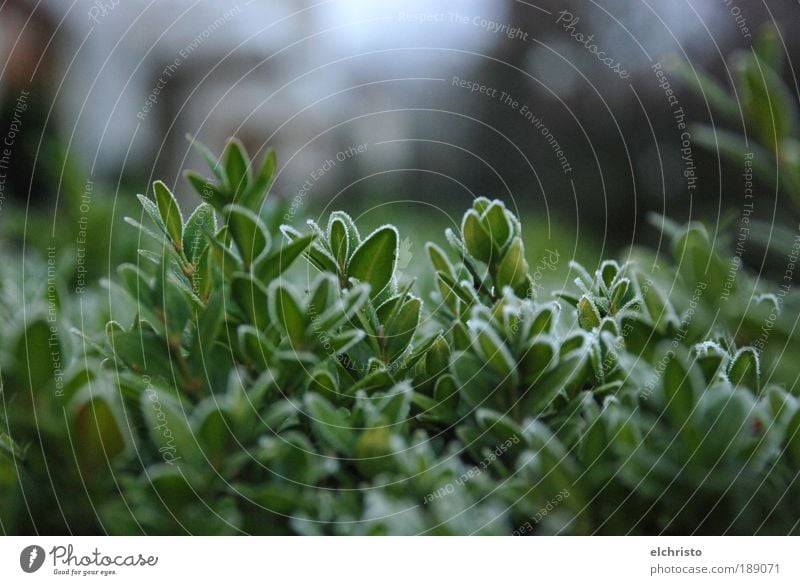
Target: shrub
pixel 761 108
pixel 228 394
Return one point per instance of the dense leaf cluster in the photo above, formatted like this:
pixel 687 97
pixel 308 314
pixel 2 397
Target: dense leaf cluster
pixel 230 394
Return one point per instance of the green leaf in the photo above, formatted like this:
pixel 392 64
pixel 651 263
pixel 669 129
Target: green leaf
pixel 252 297
pixel 237 168
pixel 481 204
pixel 278 261
pixel 207 190
pixel 793 438
pixel 202 278
pixel 323 382
pixel 782 405
pixel 500 426
pixel 722 423
pixel 767 99
pixel 493 350
pixel 538 358
pixel 400 328
pixel 541 321
pixel 209 321
pixel 152 211
pixel 377 379
pixel 475 380
pixel 344 341
pixel 10 449
pixel 658 306
pixel 588 315
pixel 254 197
pixel 159 239
pixel 437 359
pixel 140 349
pixel 575 341
pixel 319 257
pixel 768 47
pixel 329 425
pixel 225 259
pixel 619 294
pixel 177 311
pixel 456 243
pixel 353 236
pixel 449 296
pixel 513 269
pixel 168 426
pixel 170 213
pixel 211 160
pixel 136 283
pixel 374 261
pixel 425 403
pixel 745 368
pixel 213 431
pixel 476 238
pixel 322 291
pixel 255 345
pixel 418 352
pixel 337 236
pixel 201 221
pixel 285 309
pixel 679 390
pixel 249 232
pixel 714 93
pixel 609 270
pixel 733 147
pixel 32 365
pixel 541 395
pixel 698 263
pixel 171 485
pixel 351 302
pixel 497 224
pixel 465 294
pixel 98 432
pixel 445 393
pixel 439 260
pixel 394 407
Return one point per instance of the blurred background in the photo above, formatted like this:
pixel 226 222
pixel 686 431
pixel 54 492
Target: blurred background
pixel 403 111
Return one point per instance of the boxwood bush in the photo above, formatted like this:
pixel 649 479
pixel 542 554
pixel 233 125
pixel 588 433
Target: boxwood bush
pixel 250 377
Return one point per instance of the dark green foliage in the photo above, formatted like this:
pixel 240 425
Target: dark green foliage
pixel 225 397
pixel 756 124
